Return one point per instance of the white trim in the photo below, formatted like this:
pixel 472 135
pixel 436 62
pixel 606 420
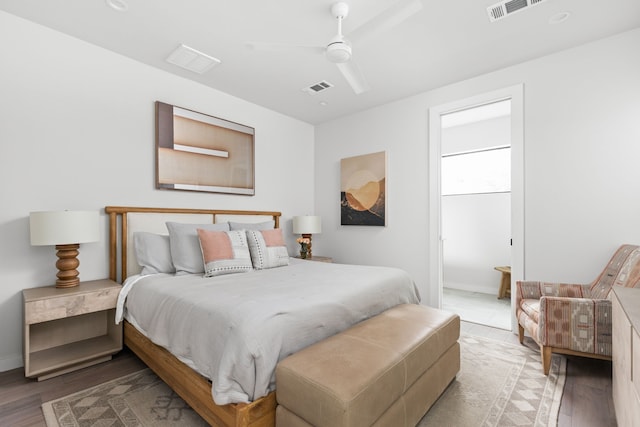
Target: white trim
pixel 488 290
pixel 194 115
pixel 435 208
pixel 213 188
pixel 516 94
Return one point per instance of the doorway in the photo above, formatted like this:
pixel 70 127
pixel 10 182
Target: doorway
pixel 476 211
pixel 475 202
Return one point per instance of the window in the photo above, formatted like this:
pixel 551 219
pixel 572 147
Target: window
pixel 482 171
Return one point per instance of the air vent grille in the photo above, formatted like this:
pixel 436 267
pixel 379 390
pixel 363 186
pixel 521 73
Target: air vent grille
pixel 514 5
pixel 317 87
pixel 496 13
pixel 192 59
pixel 507 7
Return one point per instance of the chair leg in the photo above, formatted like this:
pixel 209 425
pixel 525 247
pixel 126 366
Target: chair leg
pixel 520 333
pixel 545 353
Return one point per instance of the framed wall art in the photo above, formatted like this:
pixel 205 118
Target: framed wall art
pixel 198 152
pixel 363 189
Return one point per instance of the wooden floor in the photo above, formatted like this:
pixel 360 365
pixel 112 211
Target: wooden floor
pixel 20 398
pixel 586 401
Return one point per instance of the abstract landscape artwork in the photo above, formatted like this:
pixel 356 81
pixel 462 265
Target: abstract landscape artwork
pixel 363 189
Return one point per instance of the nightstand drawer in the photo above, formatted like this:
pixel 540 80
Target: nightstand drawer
pixel 73 305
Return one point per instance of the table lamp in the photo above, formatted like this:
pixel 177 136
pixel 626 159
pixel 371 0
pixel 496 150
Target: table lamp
pixel 66 230
pixel 306 225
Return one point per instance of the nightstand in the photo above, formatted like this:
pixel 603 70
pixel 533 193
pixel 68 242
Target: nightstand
pixel 318 258
pixel 69 329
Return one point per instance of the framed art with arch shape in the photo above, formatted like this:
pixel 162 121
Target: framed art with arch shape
pixel 363 189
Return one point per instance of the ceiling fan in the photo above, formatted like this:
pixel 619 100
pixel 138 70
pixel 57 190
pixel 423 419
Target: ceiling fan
pixel 339 50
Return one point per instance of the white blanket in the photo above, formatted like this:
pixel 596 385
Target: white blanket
pixel 234 329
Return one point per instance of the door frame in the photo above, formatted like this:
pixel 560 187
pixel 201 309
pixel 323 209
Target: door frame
pixel 516 94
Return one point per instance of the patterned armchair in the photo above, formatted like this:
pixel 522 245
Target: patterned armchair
pixel 575 318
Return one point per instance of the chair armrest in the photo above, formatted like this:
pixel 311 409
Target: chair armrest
pixel 576 315
pixel 578 303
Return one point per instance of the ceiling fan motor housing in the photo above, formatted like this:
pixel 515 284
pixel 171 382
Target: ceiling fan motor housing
pixel 338 52
pixel 340 10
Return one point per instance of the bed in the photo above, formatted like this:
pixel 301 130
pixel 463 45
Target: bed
pixel 339 295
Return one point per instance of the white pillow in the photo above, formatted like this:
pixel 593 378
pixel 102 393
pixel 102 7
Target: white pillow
pixel 267 248
pixel 153 253
pixel 185 246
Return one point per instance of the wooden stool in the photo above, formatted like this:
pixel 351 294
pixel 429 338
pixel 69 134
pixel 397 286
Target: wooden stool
pixel 505 282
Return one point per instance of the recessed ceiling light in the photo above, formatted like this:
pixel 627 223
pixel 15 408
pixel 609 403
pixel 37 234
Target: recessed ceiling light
pixel 559 18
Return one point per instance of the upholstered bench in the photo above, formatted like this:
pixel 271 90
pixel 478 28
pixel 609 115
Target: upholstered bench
pixel 384 371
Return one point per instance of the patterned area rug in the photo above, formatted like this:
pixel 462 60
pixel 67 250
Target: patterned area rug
pixel 499 385
pixel 135 400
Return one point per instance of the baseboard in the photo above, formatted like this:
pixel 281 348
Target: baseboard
pixel 473 288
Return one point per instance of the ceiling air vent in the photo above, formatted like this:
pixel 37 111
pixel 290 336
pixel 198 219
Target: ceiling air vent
pixel 507 7
pixel 318 87
pixel 192 60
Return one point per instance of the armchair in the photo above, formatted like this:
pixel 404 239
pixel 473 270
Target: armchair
pixel 575 319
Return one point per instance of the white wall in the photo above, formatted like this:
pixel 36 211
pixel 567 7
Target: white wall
pixel 581 149
pixel 77 132
pixel 476 229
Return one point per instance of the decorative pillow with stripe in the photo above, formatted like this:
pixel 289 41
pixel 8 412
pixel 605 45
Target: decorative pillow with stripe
pixel 267 248
pixel 224 252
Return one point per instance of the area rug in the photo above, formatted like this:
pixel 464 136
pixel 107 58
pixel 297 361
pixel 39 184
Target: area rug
pixel 136 400
pixel 499 385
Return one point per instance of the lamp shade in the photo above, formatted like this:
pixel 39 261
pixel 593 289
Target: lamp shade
pixel 63 227
pixel 307 224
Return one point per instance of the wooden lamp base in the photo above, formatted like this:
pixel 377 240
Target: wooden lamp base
pixel 67 265
pixel 308 236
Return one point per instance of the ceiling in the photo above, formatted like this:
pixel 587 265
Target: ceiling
pixel 445 42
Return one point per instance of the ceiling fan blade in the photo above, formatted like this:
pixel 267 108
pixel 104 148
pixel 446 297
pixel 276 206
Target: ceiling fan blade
pixel 284 47
pixel 354 76
pixel 387 19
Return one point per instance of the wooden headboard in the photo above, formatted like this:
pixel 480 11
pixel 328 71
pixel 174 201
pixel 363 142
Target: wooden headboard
pixel 124 221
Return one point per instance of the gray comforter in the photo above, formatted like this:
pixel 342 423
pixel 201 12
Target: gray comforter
pixel 234 329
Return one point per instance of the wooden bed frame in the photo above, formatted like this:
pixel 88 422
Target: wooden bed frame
pixel 187 383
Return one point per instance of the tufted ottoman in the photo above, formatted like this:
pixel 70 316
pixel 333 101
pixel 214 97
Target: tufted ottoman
pixel 384 371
